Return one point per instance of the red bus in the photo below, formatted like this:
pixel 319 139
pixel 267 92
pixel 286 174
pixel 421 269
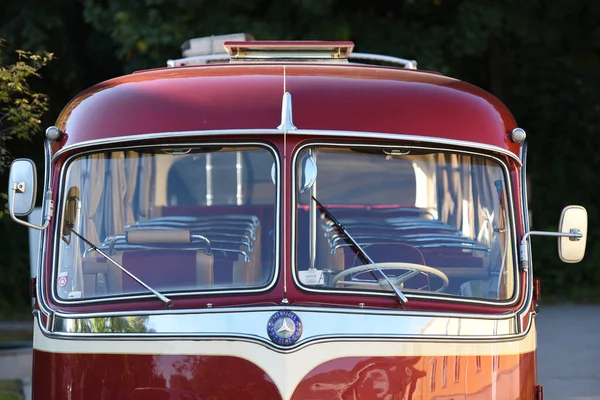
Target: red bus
pixel 286 220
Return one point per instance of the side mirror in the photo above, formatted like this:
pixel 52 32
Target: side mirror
pixel 71 213
pixel 572 220
pixel 22 187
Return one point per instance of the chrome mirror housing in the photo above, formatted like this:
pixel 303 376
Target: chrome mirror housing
pixel 308 172
pixel 22 187
pixel 573 220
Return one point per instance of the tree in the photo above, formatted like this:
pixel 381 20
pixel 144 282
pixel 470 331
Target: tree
pixel 21 108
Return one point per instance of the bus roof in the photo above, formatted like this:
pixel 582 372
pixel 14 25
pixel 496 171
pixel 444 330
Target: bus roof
pixel 326 97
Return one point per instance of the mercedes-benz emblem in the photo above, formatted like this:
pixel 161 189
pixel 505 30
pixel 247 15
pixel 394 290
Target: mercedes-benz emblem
pixel 284 328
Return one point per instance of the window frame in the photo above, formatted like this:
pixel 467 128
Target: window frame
pixel 114 147
pixel 511 222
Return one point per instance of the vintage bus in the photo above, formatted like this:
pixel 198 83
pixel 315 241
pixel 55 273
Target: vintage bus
pixel 285 220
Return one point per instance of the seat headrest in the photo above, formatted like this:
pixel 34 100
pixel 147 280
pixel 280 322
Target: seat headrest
pixel 141 236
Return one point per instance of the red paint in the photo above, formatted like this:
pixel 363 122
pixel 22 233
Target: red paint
pixel 325 97
pixel 123 376
pixel 427 377
pixel 148 377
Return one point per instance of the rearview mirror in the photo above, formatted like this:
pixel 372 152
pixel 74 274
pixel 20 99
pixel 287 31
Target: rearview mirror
pixel 572 220
pixel 307 170
pixel 22 187
pixel 71 215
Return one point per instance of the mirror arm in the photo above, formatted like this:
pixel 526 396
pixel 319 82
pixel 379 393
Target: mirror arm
pixel 573 234
pixel 48 211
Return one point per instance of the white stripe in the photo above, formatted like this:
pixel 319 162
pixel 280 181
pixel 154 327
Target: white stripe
pixel 285 369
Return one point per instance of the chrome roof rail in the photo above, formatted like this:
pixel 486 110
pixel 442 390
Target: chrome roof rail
pixel 408 64
pixel 242 47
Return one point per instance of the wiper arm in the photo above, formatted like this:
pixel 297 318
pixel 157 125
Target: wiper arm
pixel 162 297
pixel 401 297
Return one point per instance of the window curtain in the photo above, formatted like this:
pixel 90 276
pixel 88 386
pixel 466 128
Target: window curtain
pixel 94 168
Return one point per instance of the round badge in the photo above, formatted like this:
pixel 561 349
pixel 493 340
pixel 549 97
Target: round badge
pixel 62 281
pixel 284 328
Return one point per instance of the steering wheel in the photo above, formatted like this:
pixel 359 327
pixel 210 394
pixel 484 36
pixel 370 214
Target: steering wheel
pixel 416 269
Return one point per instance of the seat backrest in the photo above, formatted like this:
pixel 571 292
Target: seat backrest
pixel 162 259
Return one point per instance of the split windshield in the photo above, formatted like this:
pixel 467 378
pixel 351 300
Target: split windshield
pixel 195 219
pixel 433 222
pixel 204 219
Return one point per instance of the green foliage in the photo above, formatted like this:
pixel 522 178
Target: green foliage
pixel 10 390
pixel 21 108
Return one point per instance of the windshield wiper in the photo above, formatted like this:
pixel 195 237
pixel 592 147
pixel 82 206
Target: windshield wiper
pixel 401 297
pixel 162 297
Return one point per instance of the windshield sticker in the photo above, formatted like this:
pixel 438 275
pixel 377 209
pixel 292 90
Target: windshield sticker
pixel 63 279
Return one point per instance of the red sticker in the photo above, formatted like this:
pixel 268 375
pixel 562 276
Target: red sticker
pixel 62 280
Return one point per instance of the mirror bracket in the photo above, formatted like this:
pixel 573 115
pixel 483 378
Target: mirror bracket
pixel 19 187
pixel 573 235
pixel 48 210
pixel 573 226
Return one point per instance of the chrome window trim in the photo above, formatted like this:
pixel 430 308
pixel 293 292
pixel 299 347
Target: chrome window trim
pixel 525 224
pixel 111 299
pixel 308 132
pixel 455 299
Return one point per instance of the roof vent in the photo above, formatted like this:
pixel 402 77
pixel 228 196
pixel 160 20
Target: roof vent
pixel 292 50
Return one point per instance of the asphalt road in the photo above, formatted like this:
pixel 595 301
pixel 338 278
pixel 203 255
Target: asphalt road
pixel 568 354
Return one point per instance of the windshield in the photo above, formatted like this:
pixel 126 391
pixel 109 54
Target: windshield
pixel 433 222
pixel 194 219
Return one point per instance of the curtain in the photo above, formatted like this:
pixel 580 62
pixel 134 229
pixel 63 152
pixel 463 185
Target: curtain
pixel 93 184
pixel 115 195
pixel 132 162
pixel 450 193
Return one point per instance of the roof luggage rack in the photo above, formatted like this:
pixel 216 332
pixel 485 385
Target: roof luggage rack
pixel 241 47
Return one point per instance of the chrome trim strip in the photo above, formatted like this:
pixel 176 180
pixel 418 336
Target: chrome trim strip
pixel 320 350
pixel 525 224
pixel 309 132
pixel 39 282
pixel 41 285
pixel 318 324
pixel 508 302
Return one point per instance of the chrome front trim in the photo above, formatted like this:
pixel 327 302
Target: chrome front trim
pixel 446 298
pixel 308 132
pixel 57 227
pixel 318 324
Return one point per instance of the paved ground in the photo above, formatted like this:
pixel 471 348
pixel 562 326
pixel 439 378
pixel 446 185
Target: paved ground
pixel 568 354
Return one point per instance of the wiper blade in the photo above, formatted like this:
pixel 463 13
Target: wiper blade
pixel 401 297
pixel 162 297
